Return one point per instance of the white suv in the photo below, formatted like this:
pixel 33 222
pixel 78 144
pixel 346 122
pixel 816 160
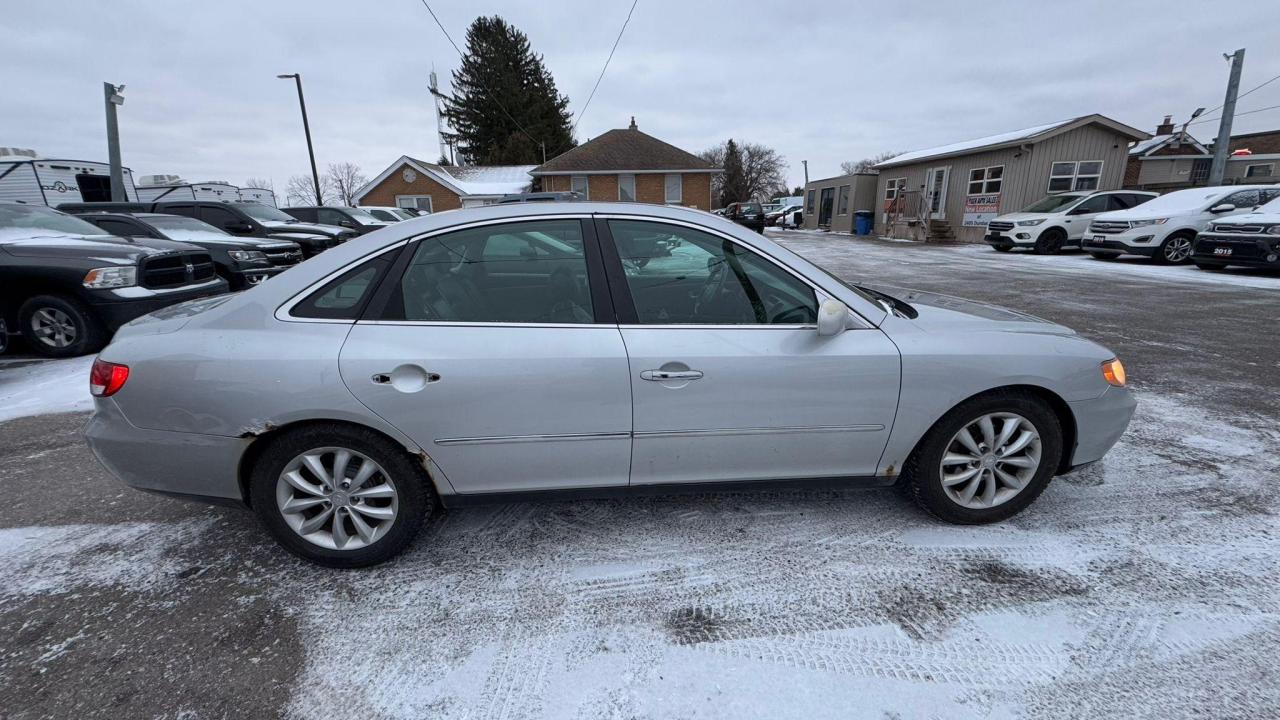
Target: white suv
pixel 1058 221
pixel 1165 228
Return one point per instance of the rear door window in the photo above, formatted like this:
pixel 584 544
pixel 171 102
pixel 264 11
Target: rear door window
pixel 220 217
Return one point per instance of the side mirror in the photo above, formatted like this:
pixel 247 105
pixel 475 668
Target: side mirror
pixel 346 223
pixel 239 227
pixel 833 318
pixel 1224 207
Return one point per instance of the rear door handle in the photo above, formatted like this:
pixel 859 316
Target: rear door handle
pixel 660 375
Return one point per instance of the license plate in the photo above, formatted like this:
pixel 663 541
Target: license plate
pixel 1222 251
pixel 996 234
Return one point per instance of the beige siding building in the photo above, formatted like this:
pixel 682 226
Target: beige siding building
pixel 950 192
pixel 831 203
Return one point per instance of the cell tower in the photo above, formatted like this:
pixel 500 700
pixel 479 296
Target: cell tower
pixel 434 86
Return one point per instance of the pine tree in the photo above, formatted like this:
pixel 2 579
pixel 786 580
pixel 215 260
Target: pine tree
pixel 734 188
pixel 500 71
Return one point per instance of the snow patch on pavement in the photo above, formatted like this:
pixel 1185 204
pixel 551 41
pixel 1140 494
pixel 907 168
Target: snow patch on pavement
pixel 39 387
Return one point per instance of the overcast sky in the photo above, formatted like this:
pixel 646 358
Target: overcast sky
pixel 819 82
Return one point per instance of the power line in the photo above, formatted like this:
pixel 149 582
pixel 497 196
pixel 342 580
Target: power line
pixel 606 66
pixel 1247 112
pixel 492 95
pixel 1256 87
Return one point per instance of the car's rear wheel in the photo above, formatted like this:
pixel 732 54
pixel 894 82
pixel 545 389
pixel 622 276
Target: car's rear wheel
pixel 1175 250
pixel 987 459
pixel 1103 256
pixel 340 496
pixel 1050 242
pixel 58 326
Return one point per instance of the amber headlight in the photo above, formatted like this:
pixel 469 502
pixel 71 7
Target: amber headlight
pixel 1113 372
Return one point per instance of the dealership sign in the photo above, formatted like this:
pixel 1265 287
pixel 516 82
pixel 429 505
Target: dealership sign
pixel 980 209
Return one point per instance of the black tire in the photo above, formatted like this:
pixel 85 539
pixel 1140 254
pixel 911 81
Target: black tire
pixel 417 497
pixel 89 332
pixel 922 474
pixel 1001 248
pixel 1161 259
pixel 1209 266
pixel 1050 242
pixel 1103 256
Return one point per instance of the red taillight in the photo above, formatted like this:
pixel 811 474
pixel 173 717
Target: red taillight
pixel 106 379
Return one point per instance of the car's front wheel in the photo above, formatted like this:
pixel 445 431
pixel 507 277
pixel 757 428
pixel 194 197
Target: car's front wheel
pixel 340 496
pixel 987 459
pixel 61 327
pixel 1050 242
pixel 1175 250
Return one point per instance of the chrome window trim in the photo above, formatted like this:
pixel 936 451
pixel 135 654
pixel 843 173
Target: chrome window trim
pixel 282 312
pixel 820 293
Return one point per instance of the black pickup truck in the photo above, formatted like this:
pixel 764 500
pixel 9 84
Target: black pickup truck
pixel 239 217
pixel 241 261
pixel 67 287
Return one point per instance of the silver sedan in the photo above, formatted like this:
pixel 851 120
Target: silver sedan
pixel 585 349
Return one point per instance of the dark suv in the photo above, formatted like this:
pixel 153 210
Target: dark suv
pixel 241 261
pixel 67 287
pixel 362 221
pixel 746 214
pixel 240 218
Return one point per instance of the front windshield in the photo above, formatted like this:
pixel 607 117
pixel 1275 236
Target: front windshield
pixel 364 216
pixel 1180 201
pixel 24 221
pixel 1270 207
pixel 1053 203
pixel 265 213
pixel 169 223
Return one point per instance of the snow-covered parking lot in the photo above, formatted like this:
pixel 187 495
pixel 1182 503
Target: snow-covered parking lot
pixel 1147 586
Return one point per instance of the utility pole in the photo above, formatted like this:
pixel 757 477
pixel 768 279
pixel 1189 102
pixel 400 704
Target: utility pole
pixel 1219 167
pixel 114 95
pixel 306 128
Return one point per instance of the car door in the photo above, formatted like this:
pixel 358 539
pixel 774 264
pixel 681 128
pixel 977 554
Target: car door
pixel 729 377
pixel 507 386
pixel 1079 217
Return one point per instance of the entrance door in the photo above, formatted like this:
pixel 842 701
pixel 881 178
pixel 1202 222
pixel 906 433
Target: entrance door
pixel 936 192
pixel 824 207
pixel 489 355
pixel 730 379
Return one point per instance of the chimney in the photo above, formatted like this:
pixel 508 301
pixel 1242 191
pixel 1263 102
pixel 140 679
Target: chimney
pixel 1166 127
pixel 632 126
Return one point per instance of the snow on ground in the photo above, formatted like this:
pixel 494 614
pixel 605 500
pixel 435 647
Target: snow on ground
pixel 36 387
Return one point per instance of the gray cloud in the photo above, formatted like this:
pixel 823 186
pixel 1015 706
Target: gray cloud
pixel 820 82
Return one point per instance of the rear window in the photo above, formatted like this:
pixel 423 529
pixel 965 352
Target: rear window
pixel 749 207
pixel 345 297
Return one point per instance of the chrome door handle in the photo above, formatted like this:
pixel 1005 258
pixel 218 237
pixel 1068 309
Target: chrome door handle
pixel 659 375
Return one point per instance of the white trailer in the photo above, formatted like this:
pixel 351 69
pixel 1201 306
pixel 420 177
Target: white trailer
pixel 28 178
pixel 164 188
pixel 262 195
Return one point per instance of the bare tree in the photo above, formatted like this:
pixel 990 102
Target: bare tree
pixel 345 179
pixel 866 165
pixel 262 183
pixel 763 170
pixel 301 190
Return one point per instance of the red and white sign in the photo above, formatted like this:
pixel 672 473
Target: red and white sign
pixel 980 209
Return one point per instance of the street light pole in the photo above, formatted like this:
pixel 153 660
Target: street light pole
pixel 306 128
pixel 1220 149
pixel 113 96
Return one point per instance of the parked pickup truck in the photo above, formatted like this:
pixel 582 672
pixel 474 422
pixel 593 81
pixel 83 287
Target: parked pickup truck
pixel 352 218
pixel 241 261
pixel 67 287
pixel 1252 240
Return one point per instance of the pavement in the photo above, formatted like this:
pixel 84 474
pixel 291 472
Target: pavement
pixel 1144 586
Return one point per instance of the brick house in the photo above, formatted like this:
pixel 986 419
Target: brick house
pixel 412 183
pixel 630 166
pixel 1174 160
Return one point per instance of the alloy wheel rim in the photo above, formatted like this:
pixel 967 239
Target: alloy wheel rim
pixel 990 460
pixel 337 498
pixel 1178 249
pixel 53 327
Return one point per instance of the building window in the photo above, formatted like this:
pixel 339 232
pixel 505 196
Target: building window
pixel 986 181
pixel 1200 171
pixel 627 188
pixel 843 207
pixel 579 184
pixel 675 189
pixel 1067 176
pixel 1258 170
pixel 894 186
pixel 809 203
pixel 414 202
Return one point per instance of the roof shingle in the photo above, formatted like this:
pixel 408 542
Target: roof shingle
pixel 621 151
